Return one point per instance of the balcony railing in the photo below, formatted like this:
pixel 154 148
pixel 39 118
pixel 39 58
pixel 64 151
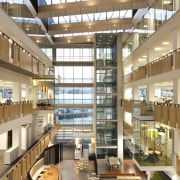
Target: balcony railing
pixel 156 67
pixel 13 110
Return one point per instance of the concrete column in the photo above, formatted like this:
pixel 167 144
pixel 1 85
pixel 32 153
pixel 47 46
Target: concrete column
pixel 135 40
pixel 3 144
pixel 135 93
pixel 176 5
pixel 24 137
pixel 150 93
pixel 16 136
pixel 120 95
pixel 17 91
pixel 176 88
pixel 148 175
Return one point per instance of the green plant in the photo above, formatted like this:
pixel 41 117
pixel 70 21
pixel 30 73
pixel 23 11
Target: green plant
pixel 156 176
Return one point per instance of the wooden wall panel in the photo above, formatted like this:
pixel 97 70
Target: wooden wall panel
pixel 127 105
pixel 16 173
pixel 26 108
pixel 46 141
pixel 28 164
pixel 32 157
pixel 42 145
pixel 178 117
pixel 165 114
pixel 39 149
pixel 1 113
pixel 4 48
pixel 158 113
pixel 156 67
pixel 6 113
pixel 15 54
pixel 177 59
pixel 178 166
pixel 24 167
pixel 167 63
pixel 172 116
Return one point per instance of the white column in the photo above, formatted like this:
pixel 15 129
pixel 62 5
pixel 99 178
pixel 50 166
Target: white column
pixel 176 88
pixel 176 5
pixel 24 137
pixel 16 135
pixel 3 144
pixel 16 91
pixel 148 175
pixel 120 96
pixel 151 93
pixel 135 93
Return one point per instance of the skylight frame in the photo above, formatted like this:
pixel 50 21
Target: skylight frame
pixel 121 14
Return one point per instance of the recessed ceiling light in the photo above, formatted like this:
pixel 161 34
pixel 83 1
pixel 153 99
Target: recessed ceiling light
pixel 165 43
pixel 157 48
pixel 167 2
pixel 140 59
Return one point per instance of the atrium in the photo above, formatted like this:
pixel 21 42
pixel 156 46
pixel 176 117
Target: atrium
pixel 95 73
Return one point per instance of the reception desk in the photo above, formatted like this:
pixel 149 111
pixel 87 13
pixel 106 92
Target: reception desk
pixel 44 172
pixel 48 173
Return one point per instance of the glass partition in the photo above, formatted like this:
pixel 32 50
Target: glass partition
pixel 153 143
pixel 156 16
pixel 106 133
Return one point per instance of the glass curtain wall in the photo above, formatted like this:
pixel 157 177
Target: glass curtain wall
pixel 74 87
pixel 156 16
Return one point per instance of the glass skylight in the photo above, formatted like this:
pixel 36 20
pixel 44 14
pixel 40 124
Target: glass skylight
pixel 87 33
pixel 49 2
pixel 12 1
pixel 92 17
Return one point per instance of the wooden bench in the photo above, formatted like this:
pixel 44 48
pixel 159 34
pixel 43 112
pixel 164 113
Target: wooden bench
pixel 115 175
pixel 128 178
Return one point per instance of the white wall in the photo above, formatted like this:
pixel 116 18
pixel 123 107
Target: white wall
pixel 3 144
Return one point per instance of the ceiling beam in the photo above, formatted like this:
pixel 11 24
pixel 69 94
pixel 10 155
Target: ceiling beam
pixel 86 7
pixel 93 26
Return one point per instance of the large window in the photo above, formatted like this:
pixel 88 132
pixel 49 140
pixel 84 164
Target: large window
pixel 74 95
pixel 75 116
pixel 74 54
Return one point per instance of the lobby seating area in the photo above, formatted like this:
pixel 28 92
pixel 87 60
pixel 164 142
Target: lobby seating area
pixel 113 162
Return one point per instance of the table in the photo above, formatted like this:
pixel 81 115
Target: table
pixel 82 164
pixel 154 152
pixel 114 162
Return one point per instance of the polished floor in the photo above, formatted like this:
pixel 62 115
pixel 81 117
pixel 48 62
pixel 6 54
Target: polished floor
pixel 69 171
pixel 68 167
